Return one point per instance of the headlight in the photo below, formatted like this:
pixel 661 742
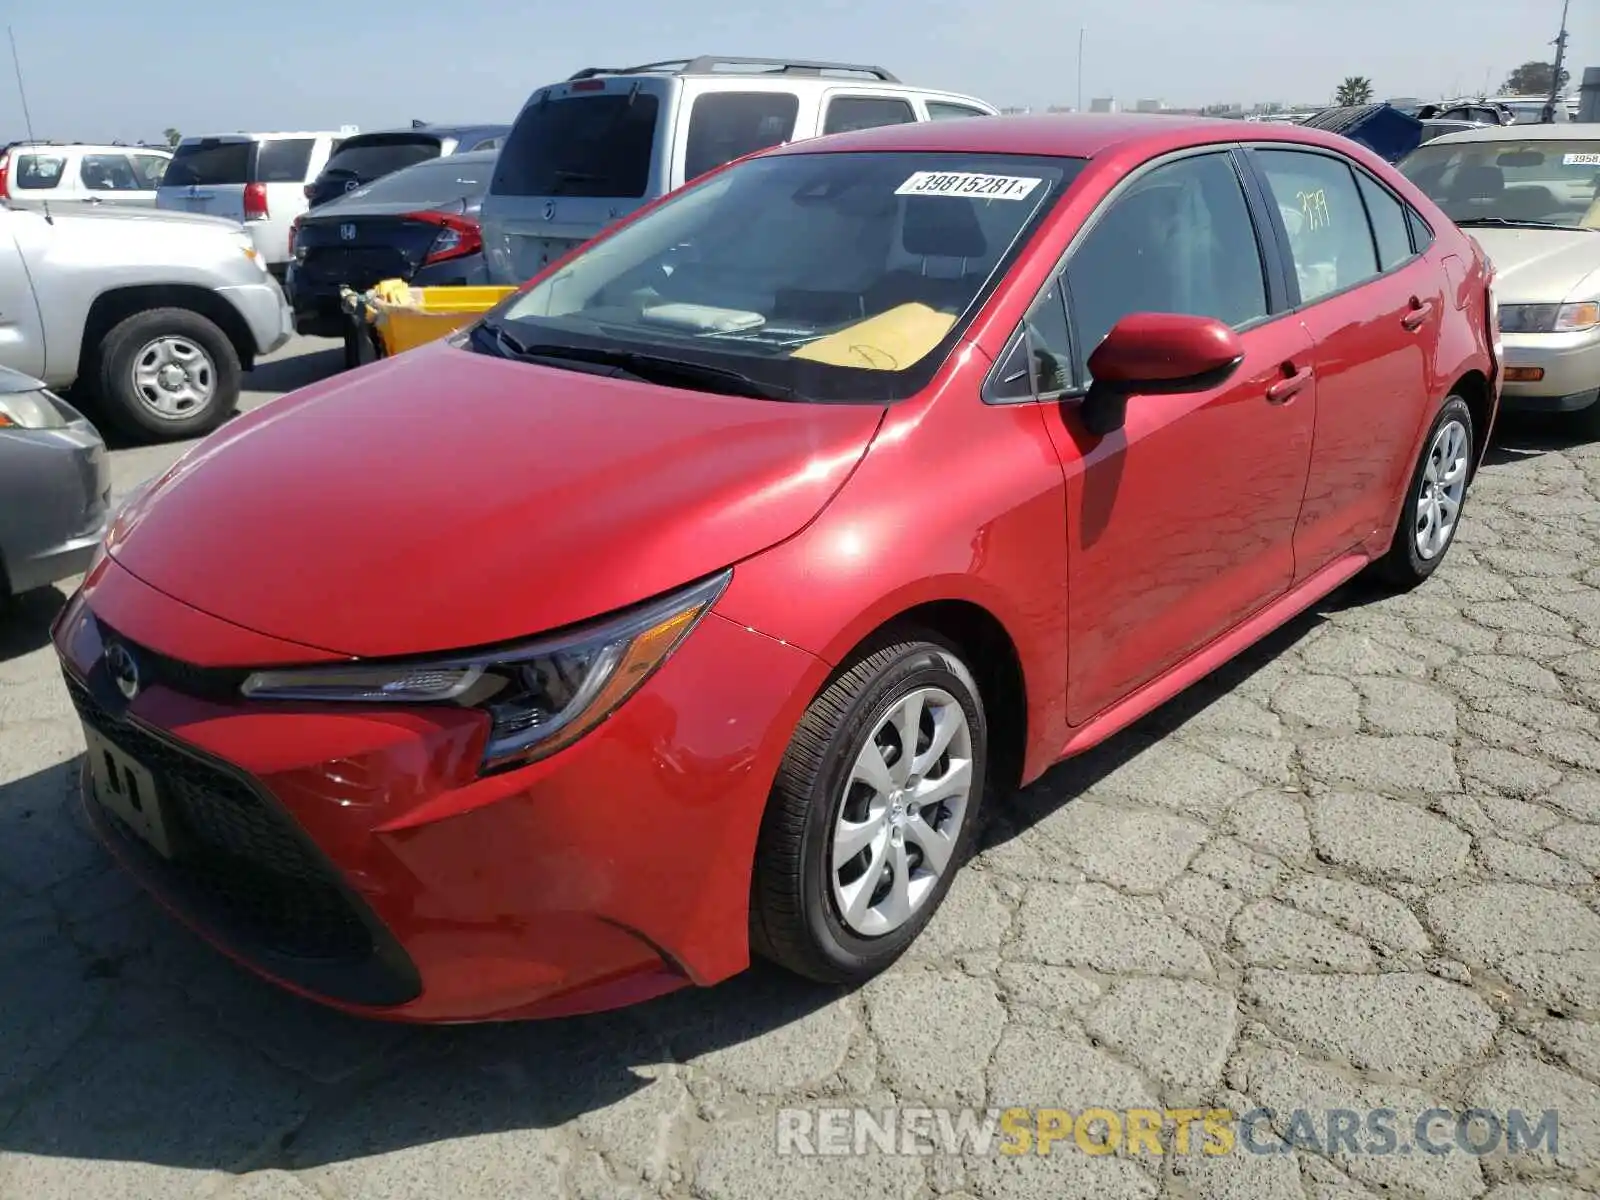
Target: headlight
pixel 540 696
pixel 30 410
pixel 1550 318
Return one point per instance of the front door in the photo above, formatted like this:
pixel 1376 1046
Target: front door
pixel 1181 524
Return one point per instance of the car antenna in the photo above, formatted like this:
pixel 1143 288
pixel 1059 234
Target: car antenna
pixel 27 119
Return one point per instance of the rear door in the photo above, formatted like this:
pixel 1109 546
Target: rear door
pixel 581 155
pixel 113 178
pixel 208 175
pixel 365 157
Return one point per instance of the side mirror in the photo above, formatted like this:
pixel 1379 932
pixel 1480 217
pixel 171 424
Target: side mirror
pixel 1156 354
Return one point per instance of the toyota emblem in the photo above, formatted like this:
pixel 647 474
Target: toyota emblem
pixel 549 210
pixel 122 668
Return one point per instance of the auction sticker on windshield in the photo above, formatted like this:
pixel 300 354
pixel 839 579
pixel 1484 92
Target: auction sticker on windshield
pixel 966 183
pixel 1580 160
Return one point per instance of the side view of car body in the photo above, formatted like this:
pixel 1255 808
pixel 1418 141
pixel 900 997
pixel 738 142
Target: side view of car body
pixel 150 317
pixel 892 468
pixel 593 148
pixel 55 487
pixel 419 224
pixel 34 174
pixel 368 156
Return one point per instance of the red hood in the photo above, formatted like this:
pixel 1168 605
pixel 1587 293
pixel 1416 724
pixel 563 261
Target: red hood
pixel 443 499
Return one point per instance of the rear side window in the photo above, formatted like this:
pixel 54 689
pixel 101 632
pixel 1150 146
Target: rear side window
pixel 428 184
pixel 208 163
pixel 587 145
pixel 37 172
pixel 943 110
pixel 370 157
pixel 725 125
pixel 1329 237
pixel 151 167
pixel 866 112
pixel 283 160
pixel 109 173
pixel 1388 218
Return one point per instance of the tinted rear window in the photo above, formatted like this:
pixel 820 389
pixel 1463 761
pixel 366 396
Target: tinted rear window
pixel 208 163
pixel 429 183
pixel 724 126
pixel 283 160
pixel 370 157
pixel 587 145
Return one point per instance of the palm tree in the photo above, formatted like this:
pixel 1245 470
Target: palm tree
pixel 173 136
pixel 1356 89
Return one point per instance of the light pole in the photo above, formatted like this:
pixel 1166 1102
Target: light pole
pixel 1082 29
pixel 1555 72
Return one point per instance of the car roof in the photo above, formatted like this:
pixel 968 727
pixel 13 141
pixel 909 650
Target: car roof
pixel 1062 135
pixel 441 130
pixel 90 147
pixel 240 135
pixel 1557 131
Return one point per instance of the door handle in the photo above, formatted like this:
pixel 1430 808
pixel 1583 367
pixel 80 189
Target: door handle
pixel 1288 388
pixel 1421 310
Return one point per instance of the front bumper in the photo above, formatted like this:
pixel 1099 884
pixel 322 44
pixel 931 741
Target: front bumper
pixel 1569 364
pixel 266 311
pixel 352 854
pixel 62 505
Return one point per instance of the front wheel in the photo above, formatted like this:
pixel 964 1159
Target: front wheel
pixel 1434 499
pixel 166 374
pixel 873 811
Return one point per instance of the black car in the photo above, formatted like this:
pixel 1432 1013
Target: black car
pixel 363 157
pixel 419 224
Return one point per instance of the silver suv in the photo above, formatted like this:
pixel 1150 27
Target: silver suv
pixel 588 151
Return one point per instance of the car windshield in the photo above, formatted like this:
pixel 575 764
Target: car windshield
pixel 1532 181
pixel 823 276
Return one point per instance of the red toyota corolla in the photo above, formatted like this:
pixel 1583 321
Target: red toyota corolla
pixel 697 600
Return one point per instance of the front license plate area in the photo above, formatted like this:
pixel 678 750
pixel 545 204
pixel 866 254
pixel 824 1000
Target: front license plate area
pixel 127 789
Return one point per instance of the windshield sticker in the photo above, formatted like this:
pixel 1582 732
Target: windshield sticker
pixel 1580 160
pixel 966 183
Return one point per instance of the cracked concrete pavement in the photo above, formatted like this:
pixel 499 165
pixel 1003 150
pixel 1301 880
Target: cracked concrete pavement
pixel 1356 869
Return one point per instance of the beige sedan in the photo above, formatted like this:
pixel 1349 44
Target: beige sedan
pixel 1530 195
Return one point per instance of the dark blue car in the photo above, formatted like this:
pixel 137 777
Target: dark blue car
pixel 419 224
pixel 367 156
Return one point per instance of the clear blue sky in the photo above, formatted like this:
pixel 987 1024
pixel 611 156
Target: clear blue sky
pixel 130 68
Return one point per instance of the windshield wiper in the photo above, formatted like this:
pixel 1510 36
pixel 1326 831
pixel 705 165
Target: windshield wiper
pixel 646 368
pixel 1510 223
pixel 492 337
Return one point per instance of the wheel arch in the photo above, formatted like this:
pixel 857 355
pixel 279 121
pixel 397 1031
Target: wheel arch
pixel 1473 387
pixel 112 307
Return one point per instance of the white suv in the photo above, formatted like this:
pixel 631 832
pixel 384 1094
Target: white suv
pixel 257 179
pixel 593 148
pixel 33 174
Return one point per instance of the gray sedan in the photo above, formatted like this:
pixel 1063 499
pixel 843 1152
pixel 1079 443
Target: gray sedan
pixel 55 487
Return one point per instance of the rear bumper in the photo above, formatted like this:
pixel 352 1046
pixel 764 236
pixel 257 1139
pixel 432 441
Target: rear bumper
pixel 61 480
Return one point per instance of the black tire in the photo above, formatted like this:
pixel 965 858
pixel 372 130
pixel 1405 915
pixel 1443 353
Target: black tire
pixel 1585 423
pixel 118 399
pixel 794 920
pixel 352 346
pixel 1403 567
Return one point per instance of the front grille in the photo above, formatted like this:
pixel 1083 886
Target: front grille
pixel 234 857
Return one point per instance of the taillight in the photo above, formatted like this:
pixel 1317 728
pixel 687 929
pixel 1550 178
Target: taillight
pixel 5 171
pixel 458 236
pixel 255 202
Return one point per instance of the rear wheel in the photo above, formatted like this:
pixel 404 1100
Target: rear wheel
pixel 166 374
pixel 874 810
pixel 1434 500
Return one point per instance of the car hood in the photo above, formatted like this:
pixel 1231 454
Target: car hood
pixel 444 499
pixel 1539 266
pixel 132 213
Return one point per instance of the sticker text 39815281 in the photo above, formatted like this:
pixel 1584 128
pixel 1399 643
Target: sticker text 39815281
pixel 969 184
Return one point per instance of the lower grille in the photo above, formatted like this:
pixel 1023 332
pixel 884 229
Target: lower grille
pixel 239 867
pixel 359 268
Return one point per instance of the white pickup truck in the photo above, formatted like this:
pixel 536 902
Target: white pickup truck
pixel 149 317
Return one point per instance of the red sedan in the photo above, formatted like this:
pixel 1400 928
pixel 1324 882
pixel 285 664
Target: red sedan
pixel 697 600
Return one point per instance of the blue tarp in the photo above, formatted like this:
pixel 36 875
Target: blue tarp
pixel 1381 128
